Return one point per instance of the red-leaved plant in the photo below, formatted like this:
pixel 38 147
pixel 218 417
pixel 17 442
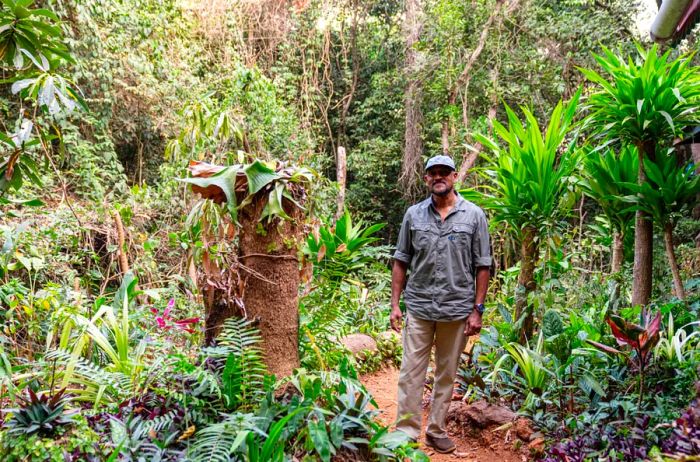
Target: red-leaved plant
pixel 641 338
pixel 165 320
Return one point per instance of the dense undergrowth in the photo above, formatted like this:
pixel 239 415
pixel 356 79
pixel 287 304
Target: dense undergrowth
pixel 101 264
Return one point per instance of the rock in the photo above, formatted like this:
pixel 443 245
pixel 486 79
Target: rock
pixel 536 446
pixel 359 344
pixel 523 429
pixel 480 413
pixel 389 336
pixel 536 435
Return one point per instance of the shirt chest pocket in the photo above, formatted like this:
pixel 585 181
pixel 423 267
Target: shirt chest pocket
pixel 422 236
pixel 461 235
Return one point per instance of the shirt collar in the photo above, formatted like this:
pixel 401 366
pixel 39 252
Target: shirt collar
pixel 459 205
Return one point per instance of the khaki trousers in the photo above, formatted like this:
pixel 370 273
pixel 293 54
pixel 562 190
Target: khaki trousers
pixel 419 336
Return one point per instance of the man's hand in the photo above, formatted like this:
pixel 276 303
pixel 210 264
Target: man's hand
pixel 395 319
pixel 473 326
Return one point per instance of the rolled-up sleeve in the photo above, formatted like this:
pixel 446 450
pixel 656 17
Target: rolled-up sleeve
pixel 404 249
pixel 481 243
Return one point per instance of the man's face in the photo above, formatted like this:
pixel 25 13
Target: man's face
pixel 440 180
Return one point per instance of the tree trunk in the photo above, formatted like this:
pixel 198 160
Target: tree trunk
pixel 270 268
pixel 413 151
pixel 341 170
pixel 618 252
pixel 220 288
pixel 445 137
pixel 677 281
pixel 526 281
pixel 643 238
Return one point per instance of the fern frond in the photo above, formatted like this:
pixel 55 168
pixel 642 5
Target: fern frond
pixel 242 375
pixel 161 422
pixel 218 442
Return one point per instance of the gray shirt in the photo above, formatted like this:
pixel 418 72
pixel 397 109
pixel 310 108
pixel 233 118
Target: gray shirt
pixel 442 258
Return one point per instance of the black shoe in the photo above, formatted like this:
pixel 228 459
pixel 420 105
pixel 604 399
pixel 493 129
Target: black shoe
pixel 441 445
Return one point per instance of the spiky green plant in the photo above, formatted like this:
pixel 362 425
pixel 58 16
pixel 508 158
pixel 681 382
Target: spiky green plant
pixel 336 251
pixel 43 414
pixel 644 101
pixel 670 187
pixel 533 176
pixel 532 368
pixel 606 179
pixel 674 344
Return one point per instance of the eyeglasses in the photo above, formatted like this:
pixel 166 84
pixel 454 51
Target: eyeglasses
pixel 439 172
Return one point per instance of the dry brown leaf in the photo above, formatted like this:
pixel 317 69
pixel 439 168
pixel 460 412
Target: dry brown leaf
pixel 187 433
pixel 321 253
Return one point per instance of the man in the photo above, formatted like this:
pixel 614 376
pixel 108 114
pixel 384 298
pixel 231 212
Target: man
pixel 444 240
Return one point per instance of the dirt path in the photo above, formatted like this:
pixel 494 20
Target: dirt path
pixel 484 446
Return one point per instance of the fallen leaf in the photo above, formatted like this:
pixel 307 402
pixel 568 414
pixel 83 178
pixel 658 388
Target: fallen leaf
pixel 187 433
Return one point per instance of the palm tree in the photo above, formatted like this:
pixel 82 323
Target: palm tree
pixel 643 102
pixel 668 189
pixel 531 183
pixel 605 179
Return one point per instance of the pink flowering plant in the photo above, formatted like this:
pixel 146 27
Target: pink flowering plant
pixel 165 320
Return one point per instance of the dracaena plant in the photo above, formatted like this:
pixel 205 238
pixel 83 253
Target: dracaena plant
pixel 641 338
pixel 32 50
pixel 606 179
pixel 532 171
pixel 644 101
pixel 670 187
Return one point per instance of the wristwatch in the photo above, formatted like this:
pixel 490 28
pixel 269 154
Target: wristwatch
pixel 480 308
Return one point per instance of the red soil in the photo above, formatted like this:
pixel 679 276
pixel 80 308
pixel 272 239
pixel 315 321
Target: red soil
pixel 472 444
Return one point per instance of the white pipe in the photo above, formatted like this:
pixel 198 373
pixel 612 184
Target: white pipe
pixel 666 21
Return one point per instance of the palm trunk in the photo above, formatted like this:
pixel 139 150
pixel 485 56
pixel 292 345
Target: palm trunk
pixel 643 238
pixel 269 262
pixel 677 281
pixel 526 281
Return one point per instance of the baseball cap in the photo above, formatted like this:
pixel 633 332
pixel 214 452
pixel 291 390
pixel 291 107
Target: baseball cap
pixel 440 160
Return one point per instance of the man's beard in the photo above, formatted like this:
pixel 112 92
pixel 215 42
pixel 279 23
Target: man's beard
pixel 442 193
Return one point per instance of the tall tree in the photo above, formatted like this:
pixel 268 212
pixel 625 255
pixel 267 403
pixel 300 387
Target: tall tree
pixel 413 142
pixel 643 101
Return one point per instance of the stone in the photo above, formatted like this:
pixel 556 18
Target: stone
pixel 359 344
pixel 537 446
pixel 389 336
pixel 523 429
pixel 481 414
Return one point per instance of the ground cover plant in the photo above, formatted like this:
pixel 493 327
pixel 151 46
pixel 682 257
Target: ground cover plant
pixel 195 197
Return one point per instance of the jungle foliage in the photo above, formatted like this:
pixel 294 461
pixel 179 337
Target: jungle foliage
pixel 113 112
